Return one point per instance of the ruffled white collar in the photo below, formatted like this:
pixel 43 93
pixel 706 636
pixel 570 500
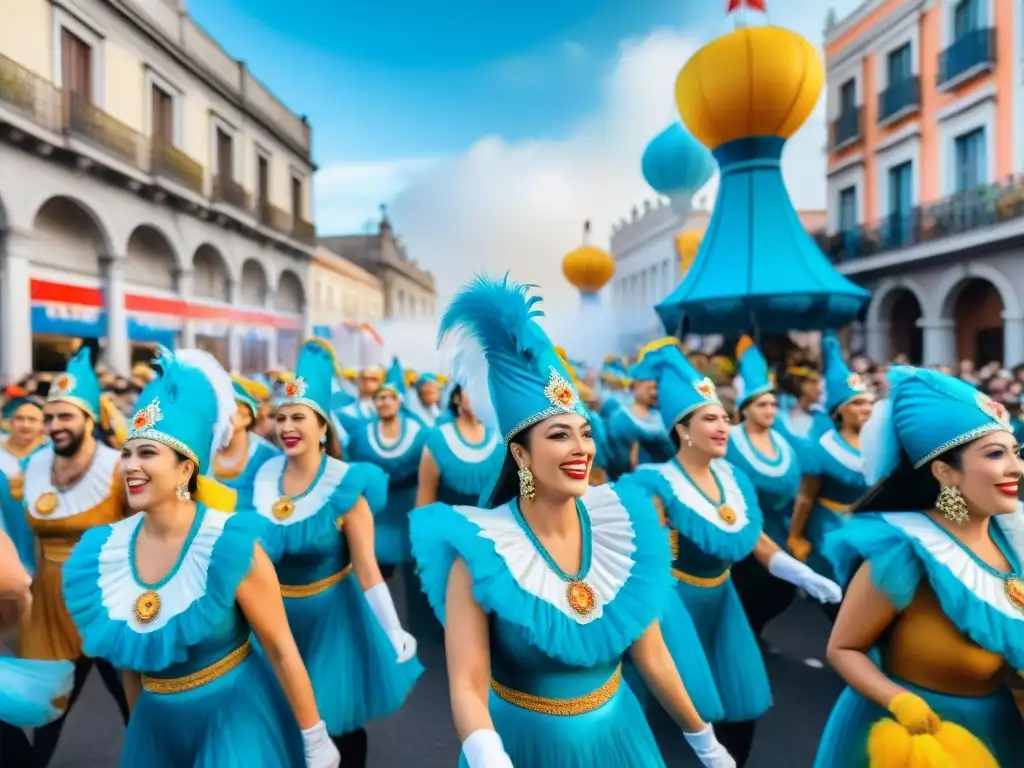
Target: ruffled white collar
pixel 92 490
pixel 837 448
pixel 9 464
pixel 758 462
pixel 267 490
pixel 612 548
pixel 689 495
pixel 407 437
pixel 463 451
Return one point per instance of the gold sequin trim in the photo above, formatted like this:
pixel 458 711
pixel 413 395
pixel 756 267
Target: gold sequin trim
pixel 317 587
pixel 562 707
pixel 198 679
pixel 835 506
pixel 57 550
pixel 704 582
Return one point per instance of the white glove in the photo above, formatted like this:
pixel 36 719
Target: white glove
pixel 320 750
pixel 707 749
pixel 787 568
pixel 383 607
pixel 483 749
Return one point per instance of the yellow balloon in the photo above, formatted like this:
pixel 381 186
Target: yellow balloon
pixel 754 81
pixel 687 244
pixel 588 269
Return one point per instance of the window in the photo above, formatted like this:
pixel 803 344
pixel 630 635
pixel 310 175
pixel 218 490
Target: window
pixel 262 183
pixel 847 209
pixel 966 18
pixel 971 163
pixel 901 202
pixel 900 69
pixel 296 199
pixel 76 65
pixel 162 125
pixel 847 97
pixel 225 154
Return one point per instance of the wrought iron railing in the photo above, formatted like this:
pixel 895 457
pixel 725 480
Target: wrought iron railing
pixel 87 121
pixel 846 127
pixel 29 94
pixel 973 49
pixel 227 190
pixel 167 160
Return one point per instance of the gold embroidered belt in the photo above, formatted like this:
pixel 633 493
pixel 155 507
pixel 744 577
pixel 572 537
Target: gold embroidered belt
pixel 57 550
pixel 200 678
pixel 705 582
pixel 835 506
pixel 308 590
pixel 563 707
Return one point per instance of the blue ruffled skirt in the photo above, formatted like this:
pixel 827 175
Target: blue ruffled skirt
pixel 994 719
pixel 239 720
pixel 733 654
pixel 352 663
pixel 821 523
pixel 615 734
pixel 29 688
pixel 391 527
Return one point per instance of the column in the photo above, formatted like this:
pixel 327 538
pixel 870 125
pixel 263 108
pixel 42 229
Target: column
pixel 272 361
pixel 939 342
pixel 234 332
pixel 118 351
pixel 185 278
pixel 878 343
pixel 16 307
pixel 1013 340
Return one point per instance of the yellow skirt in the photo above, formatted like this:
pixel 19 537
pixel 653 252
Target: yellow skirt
pixel 48 633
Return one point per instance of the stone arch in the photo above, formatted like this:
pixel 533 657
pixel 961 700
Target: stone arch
pixel 73 236
pixel 885 297
pixel 254 288
pixel 291 294
pixel 211 274
pixel 955 279
pixel 151 259
pixel 976 300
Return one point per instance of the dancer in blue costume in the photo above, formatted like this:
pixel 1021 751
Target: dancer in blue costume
pixel 424 402
pixel 712 512
pixel 771 464
pixel 832 466
pixel 320 532
pixel 354 415
pixel 176 592
pixel 932 627
pixel 613 384
pixel 801 418
pixel 235 466
pixel 23 416
pixel 394 442
pixel 543 592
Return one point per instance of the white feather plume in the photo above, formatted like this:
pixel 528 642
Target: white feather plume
pixel 878 443
pixel 220 381
pixel 467 363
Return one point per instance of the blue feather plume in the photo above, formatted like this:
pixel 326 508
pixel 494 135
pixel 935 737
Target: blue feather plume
pixel 879 441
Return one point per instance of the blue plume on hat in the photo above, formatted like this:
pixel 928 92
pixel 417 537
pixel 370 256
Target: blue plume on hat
pixel 753 370
pixel 314 374
pixel 78 385
pixel 243 397
pixel 841 384
pixel 504 359
pixel 643 368
pixel 394 380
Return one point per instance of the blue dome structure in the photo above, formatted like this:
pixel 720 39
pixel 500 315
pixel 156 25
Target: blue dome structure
pixel 675 164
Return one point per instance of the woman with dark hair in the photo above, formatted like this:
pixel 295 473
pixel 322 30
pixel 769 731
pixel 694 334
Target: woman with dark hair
pixel 801 419
pixel 712 513
pixel 544 590
pixel 771 464
pixel 174 594
pixel 23 419
pixel 933 622
pixel 238 462
pixel 832 465
pixel 319 512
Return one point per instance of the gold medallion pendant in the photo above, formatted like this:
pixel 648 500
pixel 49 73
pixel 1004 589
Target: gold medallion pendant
pixel 17 487
pixel 147 607
pixel 727 513
pixel 1015 591
pixel 283 508
pixel 580 597
pixel 46 503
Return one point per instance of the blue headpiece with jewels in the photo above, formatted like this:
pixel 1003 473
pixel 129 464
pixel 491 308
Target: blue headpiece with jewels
pixel 841 384
pixel 681 388
pixel 312 384
pixel 504 359
pixel 926 414
pixel 189 408
pixel 78 385
pixel 644 368
pixel 394 381
pixel 243 397
pixel 755 380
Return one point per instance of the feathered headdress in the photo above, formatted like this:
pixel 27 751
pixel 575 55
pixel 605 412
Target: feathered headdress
pixel 504 361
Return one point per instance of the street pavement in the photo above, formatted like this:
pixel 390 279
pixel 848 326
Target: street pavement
pixel 421 734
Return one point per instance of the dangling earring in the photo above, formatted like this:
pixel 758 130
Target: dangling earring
pixel 182 491
pixel 952 505
pixel 526 487
pixel 688 440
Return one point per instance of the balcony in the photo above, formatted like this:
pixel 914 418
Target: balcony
pixel 87 121
pixel 971 54
pixel 964 212
pixel 303 231
pixel 275 218
pixel 900 98
pixel 170 162
pixel 24 92
pixel 846 128
pixel 227 190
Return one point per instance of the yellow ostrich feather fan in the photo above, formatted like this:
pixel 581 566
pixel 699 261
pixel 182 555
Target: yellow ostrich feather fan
pixel 890 745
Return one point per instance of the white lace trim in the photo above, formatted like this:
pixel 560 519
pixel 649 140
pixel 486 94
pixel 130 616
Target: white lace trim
pixel 267 490
pixel 411 428
pixel 611 552
pixel 778 468
pixel 690 496
pixel 841 452
pixel 120 590
pixel 468 454
pixel 986 586
pixel 94 488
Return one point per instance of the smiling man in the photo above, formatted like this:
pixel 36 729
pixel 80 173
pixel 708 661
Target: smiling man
pixel 70 486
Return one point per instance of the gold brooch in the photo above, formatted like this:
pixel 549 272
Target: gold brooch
pixel 147 607
pixel 63 386
pixel 580 597
pixel 560 392
pixel 705 388
pixel 283 508
pixel 295 389
pixel 727 513
pixel 147 417
pixel 1015 592
pixel 993 408
pixel 17 487
pixel 46 503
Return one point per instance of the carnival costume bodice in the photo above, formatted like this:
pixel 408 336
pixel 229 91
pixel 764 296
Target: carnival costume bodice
pixel 841 469
pixel 400 459
pixel 775 478
pixel 465 469
pixel 801 427
pixel 626 429
pixel 240 476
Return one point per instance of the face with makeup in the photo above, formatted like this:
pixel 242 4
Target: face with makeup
pixel 987 472
pixel 706 431
pixel 559 451
pixel 153 473
pixel 387 403
pixel 27 423
pixel 299 429
pixel 856 412
pixel 761 411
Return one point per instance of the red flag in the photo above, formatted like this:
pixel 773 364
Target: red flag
pixel 753 5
